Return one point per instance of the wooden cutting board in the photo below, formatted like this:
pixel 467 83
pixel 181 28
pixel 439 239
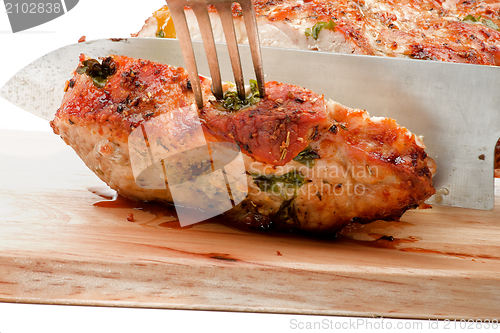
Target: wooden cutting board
pixel 56 247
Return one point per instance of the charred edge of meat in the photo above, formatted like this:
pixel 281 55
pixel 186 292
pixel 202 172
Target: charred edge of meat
pixel 282 222
pixel 393 216
pixel 497 155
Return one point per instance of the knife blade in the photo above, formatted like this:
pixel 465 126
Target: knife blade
pixel 455 107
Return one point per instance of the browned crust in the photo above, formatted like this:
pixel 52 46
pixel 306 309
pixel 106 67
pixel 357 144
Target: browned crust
pixel 142 90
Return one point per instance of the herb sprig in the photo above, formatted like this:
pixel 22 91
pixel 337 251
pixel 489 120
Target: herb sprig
pixel 489 23
pixel 98 72
pixel 307 157
pixel 316 29
pixel 232 102
pixel 272 183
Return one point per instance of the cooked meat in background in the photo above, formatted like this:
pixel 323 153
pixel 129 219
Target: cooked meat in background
pixel 311 164
pixel 451 31
pixel 497 155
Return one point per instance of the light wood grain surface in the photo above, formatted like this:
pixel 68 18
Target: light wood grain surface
pixel 56 247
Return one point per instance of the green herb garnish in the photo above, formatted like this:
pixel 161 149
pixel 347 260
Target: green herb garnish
pixel 160 33
pixel 286 213
pixel 272 183
pixel 232 102
pixel 316 29
pixel 471 18
pixel 490 24
pixel 307 157
pixel 98 72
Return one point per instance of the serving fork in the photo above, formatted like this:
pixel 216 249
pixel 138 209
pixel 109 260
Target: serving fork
pixel 199 7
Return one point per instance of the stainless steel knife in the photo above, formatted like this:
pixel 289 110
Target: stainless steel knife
pixel 455 107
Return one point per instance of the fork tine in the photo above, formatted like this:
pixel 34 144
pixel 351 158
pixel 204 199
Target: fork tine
pixel 224 9
pixel 226 17
pixel 182 31
pixel 207 36
pixel 253 39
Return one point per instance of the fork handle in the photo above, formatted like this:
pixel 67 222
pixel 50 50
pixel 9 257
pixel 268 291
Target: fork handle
pixel 182 31
pixel 254 41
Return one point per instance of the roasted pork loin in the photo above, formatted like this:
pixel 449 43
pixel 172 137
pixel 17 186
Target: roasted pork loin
pixel 450 30
pixel 310 164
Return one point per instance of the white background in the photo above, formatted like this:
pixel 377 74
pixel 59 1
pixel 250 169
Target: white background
pixel 110 19
pixel 90 18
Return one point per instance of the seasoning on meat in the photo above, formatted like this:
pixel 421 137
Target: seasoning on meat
pixel 311 164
